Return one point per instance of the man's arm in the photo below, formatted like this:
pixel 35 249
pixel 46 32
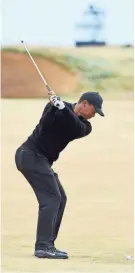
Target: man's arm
pixel 48 115
pixel 65 115
pixel 47 107
pixel 73 121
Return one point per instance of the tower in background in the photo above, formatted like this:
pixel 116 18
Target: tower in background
pixel 91 27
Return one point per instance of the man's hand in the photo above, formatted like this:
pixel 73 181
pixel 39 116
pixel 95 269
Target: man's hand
pixel 57 103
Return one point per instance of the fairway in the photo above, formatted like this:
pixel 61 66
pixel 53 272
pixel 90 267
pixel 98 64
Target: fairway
pixel 97 174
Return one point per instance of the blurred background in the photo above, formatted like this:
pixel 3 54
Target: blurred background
pixel 79 46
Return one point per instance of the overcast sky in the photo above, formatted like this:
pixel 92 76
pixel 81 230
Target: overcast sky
pixel 52 22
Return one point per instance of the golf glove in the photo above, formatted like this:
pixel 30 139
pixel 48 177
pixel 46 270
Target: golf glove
pixel 57 103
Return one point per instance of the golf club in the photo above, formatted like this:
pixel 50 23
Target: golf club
pixel 48 88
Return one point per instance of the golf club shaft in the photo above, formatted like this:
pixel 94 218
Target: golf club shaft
pixel 48 88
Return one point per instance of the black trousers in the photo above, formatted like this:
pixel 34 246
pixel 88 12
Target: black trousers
pixel 49 192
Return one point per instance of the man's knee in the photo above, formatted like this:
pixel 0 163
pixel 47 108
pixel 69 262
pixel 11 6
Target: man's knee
pixel 51 201
pixel 63 194
pixel 58 198
pixel 63 198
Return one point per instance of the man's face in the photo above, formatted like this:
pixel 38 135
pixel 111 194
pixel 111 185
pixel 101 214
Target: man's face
pixel 87 110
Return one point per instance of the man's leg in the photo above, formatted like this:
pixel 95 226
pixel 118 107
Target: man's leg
pixel 49 199
pixel 41 177
pixel 61 208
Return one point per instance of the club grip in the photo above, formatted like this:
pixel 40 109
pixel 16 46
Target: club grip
pixel 48 88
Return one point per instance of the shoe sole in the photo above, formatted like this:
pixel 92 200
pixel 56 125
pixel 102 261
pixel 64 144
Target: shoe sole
pixel 50 257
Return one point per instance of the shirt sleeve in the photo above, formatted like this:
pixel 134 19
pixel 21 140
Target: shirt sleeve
pixel 71 119
pixel 47 107
pixel 48 115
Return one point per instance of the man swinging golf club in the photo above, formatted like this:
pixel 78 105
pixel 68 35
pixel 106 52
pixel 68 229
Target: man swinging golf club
pixel 60 123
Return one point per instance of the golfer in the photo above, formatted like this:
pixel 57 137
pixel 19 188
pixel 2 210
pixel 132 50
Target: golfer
pixel 60 123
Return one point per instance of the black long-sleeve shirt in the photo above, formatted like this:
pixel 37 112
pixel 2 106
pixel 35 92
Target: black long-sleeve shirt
pixel 56 129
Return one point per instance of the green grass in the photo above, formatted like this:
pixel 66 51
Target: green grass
pixel 104 69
